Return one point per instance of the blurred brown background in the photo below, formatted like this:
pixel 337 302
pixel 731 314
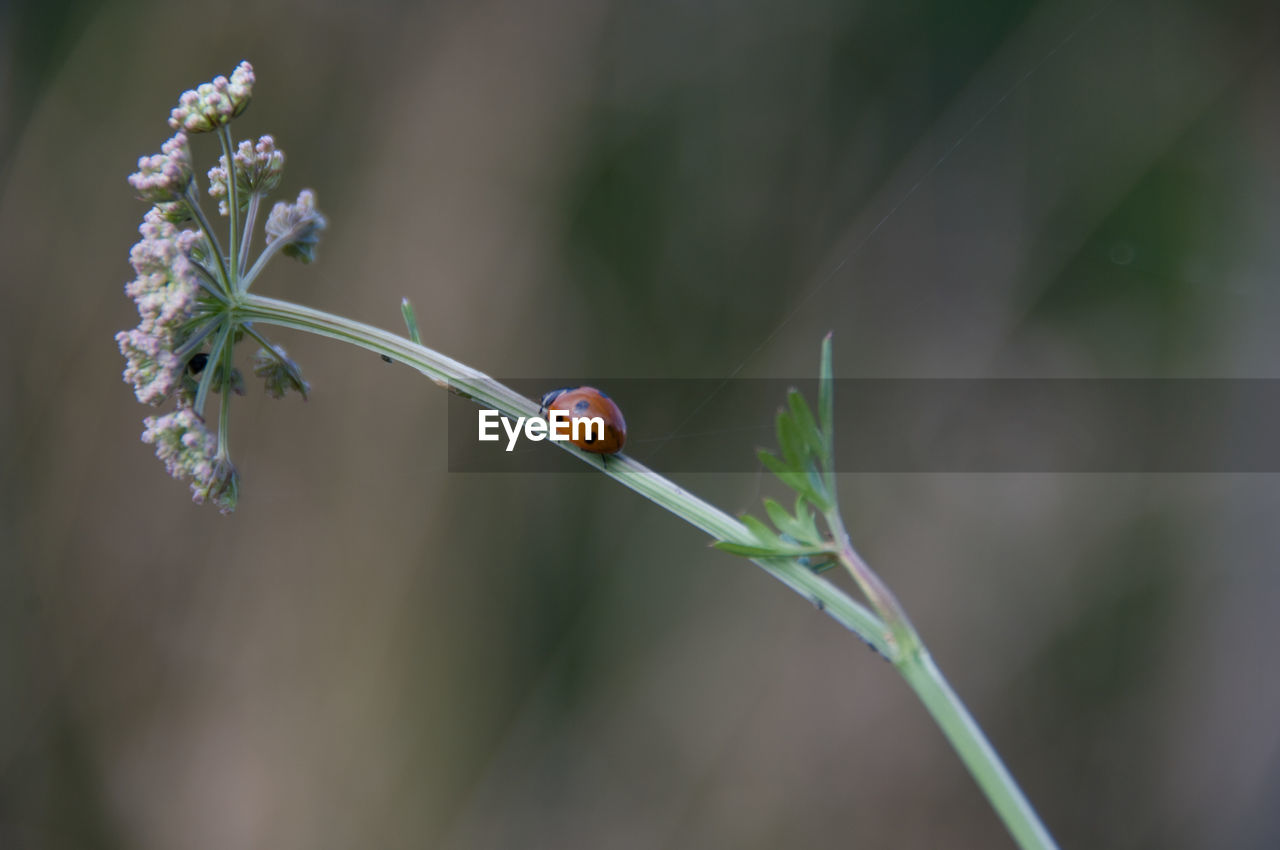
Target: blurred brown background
pixel 376 653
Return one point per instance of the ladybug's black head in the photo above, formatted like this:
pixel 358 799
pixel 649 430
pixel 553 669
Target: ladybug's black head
pixel 547 398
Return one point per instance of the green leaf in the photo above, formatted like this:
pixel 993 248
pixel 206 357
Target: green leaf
pixel 818 493
pixel 806 427
pixel 744 550
pixel 805 520
pixel 826 390
pixel 410 320
pixel 785 522
pixel 790 443
pixel 782 550
pixel 797 481
pixel 762 532
pixel 805 551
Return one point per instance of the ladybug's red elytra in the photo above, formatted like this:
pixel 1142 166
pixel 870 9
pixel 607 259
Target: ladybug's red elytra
pixel 589 403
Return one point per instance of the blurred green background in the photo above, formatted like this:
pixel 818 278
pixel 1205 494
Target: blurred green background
pixel 374 652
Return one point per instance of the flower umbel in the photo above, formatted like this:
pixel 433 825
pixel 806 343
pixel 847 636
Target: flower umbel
pixel 258 169
pixel 165 292
pixel 190 292
pixel 164 176
pixel 213 104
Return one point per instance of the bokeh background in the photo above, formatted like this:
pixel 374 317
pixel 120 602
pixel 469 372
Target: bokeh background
pixel 373 652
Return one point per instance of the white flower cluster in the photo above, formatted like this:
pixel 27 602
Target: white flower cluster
pixel 189 450
pixel 164 176
pixel 212 104
pixel 165 292
pixel 190 292
pixel 258 169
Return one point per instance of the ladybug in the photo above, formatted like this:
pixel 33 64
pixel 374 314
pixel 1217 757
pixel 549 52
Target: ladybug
pixel 589 403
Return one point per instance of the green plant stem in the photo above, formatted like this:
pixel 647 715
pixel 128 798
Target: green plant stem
pixel 902 635
pixel 975 751
pixel 211 368
pixel 464 380
pixel 224 419
pixel 233 199
pixel 914 662
pixel 250 219
pixel 272 248
pixel 896 641
pixel 215 247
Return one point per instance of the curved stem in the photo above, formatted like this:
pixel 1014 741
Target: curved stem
pixel 914 662
pixel 224 423
pixel 208 283
pixel 211 368
pixel 273 247
pixel 263 341
pixel 893 637
pixel 214 245
pixel 975 751
pixel 902 634
pixel 250 220
pixel 233 198
pixel 196 340
pixel 632 474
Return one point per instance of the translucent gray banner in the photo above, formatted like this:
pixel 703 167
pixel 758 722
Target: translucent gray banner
pixel 922 425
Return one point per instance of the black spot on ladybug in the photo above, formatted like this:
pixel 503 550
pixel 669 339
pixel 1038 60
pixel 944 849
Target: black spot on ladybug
pixel 582 405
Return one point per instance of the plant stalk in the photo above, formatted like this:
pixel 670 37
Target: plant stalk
pixel 974 750
pixel 896 640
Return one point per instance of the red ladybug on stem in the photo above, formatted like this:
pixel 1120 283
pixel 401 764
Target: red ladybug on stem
pixel 589 403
